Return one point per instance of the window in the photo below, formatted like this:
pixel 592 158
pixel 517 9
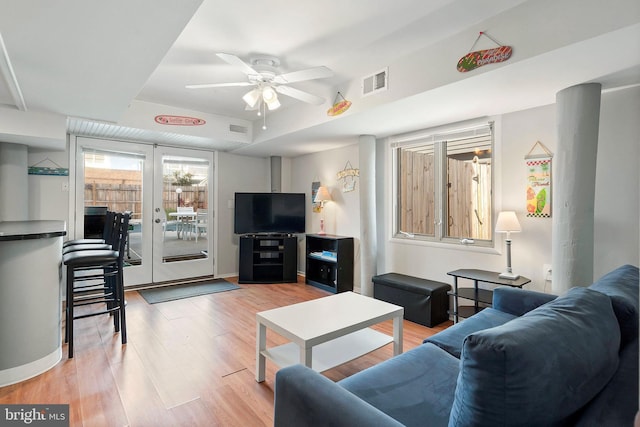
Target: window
pixel 443 185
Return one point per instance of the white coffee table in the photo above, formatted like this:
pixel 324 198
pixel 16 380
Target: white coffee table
pixel 326 332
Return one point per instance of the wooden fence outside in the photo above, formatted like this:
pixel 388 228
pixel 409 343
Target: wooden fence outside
pixel 128 197
pixel 468 200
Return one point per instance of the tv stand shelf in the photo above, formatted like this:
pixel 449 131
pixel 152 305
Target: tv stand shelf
pixel 329 263
pixel 268 258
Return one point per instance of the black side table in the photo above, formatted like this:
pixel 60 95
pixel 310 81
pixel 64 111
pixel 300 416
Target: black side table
pixel 476 294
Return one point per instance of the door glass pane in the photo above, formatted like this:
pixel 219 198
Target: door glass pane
pixel 184 208
pixel 113 181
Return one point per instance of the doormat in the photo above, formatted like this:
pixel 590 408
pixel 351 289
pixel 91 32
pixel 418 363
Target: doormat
pixel 171 293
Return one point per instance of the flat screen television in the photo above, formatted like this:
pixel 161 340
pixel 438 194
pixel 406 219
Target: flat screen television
pixel 269 213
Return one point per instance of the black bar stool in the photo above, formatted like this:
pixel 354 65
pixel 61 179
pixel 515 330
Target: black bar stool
pixel 95 277
pixel 108 234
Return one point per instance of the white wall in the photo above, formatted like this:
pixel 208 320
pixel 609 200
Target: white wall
pixel 234 174
pixel 342 215
pixel 617 210
pixel 48 195
pixel 617 204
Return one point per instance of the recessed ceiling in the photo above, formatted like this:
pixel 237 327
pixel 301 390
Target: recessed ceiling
pixel 91 60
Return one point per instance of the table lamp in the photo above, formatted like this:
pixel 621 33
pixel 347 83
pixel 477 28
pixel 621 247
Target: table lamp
pixel 508 223
pixel 322 196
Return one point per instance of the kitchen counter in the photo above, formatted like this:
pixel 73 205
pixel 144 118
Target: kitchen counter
pixel 26 230
pixel 30 298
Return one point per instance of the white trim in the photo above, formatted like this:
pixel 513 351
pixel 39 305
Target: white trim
pixel 30 370
pixel 6 69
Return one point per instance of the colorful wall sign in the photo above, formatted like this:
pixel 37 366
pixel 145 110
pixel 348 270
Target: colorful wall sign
pixel 165 119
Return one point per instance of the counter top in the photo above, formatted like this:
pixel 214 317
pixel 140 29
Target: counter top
pixel 26 230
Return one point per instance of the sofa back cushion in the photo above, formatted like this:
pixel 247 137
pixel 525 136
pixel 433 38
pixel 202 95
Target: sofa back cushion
pixel 540 368
pixel 621 285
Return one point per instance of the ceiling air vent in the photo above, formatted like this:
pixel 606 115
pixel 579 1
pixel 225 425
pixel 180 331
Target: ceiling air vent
pixel 375 82
pixel 238 129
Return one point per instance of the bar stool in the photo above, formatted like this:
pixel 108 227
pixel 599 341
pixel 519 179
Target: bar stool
pixel 95 276
pixel 108 234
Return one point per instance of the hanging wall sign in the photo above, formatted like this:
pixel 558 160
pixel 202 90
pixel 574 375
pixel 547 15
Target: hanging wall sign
pixel 165 119
pixel 478 58
pixel 539 182
pixel 48 167
pixel 340 105
pixel 348 175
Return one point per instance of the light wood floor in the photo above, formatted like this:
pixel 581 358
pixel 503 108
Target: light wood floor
pixel 189 362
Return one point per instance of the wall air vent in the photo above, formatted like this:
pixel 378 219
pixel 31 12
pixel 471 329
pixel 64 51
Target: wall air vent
pixel 375 82
pixel 238 129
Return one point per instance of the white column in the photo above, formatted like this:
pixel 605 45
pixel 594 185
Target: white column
pixel 368 243
pixel 574 169
pixel 276 174
pixel 14 183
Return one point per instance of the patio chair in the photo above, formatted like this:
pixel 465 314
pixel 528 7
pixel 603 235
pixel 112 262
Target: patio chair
pixel 186 221
pixel 166 223
pixel 201 223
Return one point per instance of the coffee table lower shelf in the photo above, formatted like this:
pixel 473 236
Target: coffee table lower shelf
pixel 331 353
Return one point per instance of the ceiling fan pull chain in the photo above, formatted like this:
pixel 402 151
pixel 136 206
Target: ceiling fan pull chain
pixel 264 116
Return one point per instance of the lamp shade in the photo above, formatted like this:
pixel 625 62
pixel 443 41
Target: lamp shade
pixel 507 223
pixel 252 97
pixel 322 195
pixel 270 98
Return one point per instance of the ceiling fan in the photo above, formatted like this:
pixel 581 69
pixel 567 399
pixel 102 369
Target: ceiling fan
pixel 261 73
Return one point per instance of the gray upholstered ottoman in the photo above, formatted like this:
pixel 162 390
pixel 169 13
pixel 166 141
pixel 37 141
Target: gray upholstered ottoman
pixel 425 301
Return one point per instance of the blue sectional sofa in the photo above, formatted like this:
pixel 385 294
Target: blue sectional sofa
pixel 533 359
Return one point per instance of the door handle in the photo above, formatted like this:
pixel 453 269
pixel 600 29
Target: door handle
pixel 158 220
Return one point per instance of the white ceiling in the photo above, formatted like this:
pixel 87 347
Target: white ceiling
pixel 91 59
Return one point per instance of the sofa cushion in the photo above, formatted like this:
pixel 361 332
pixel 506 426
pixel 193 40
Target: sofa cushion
pixel 617 404
pixel 540 368
pixel 451 339
pixel 621 285
pixel 414 388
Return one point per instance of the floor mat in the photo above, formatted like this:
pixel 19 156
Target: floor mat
pixel 171 293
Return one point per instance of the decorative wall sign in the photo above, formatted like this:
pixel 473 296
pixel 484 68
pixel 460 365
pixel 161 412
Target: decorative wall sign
pixel 55 169
pixel 339 106
pixel 539 182
pixel 473 60
pixel 165 119
pixel 314 190
pixel 348 175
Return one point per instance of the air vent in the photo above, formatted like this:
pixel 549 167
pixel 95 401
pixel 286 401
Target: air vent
pixel 238 129
pixel 375 82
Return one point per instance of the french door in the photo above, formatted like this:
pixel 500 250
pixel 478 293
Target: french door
pixel 169 193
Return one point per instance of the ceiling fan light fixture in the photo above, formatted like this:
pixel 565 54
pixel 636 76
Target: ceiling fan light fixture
pixel 252 97
pixel 273 104
pixel 270 97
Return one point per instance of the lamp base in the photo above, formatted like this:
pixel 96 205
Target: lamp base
pixel 509 276
pixel 321 232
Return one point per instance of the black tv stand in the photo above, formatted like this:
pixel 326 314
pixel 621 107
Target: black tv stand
pixel 268 258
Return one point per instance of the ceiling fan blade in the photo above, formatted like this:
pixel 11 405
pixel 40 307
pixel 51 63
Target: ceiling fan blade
pixel 234 60
pixel 308 74
pixel 300 95
pixel 208 85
